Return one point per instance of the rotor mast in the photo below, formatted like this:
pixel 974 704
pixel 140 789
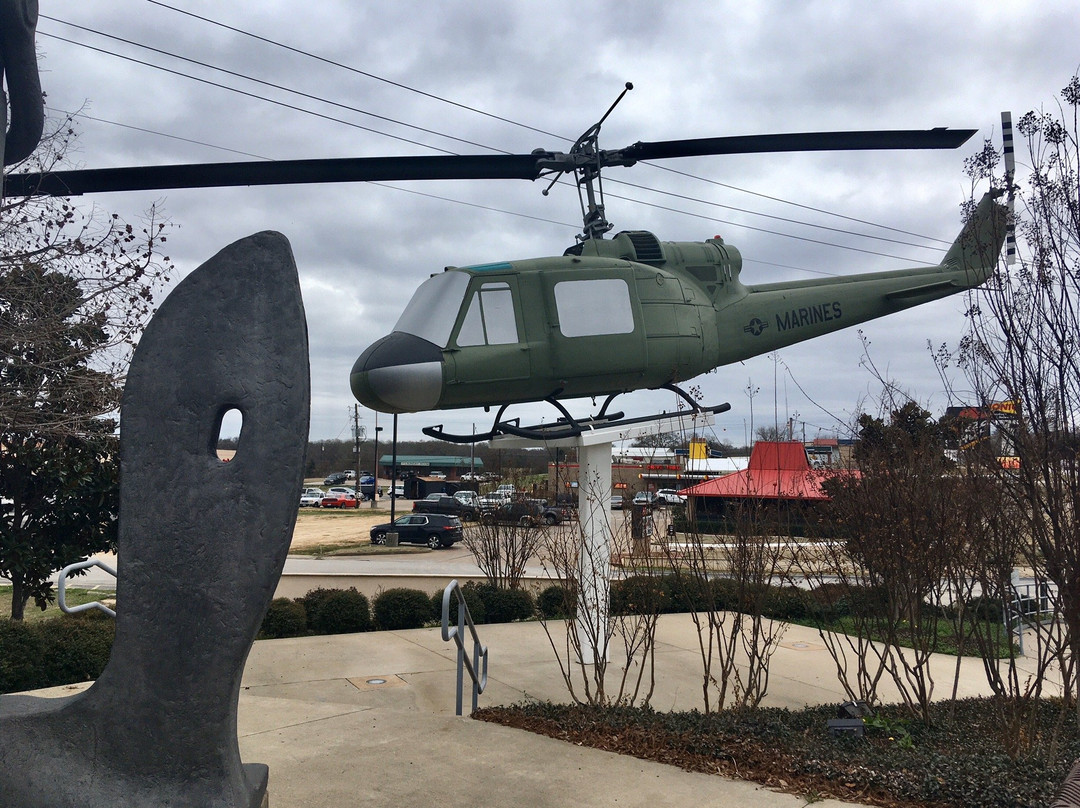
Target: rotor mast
pixel 586 160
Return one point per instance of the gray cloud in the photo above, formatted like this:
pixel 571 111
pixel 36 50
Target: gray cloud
pixel 700 67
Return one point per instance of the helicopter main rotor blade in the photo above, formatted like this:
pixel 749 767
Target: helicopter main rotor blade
pixel 276 172
pixel 940 138
pixel 452 167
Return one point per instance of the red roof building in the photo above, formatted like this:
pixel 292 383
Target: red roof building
pixel 775 471
pixel 778 473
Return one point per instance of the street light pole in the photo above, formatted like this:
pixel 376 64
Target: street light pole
pixel 393 470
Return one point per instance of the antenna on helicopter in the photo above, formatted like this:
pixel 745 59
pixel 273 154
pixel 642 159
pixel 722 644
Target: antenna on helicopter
pixel 586 160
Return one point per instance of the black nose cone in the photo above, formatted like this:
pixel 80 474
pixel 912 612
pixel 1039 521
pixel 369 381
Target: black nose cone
pixel 398 373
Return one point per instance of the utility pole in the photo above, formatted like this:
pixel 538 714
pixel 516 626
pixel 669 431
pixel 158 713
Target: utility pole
pixel 375 473
pixel 356 452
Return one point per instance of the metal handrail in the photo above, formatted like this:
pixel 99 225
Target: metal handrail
pixel 480 652
pixel 1028 603
pixel 61 583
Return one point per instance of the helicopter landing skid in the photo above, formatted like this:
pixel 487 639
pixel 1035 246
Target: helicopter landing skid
pixel 567 426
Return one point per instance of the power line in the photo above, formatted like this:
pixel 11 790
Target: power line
pixel 351 69
pixel 478 111
pixel 775 218
pixel 796 204
pixel 770 232
pixel 270 84
pixel 439 134
pixel 155 133
pixel 238 91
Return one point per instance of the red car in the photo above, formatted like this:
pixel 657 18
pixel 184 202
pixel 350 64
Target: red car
pixel 339 501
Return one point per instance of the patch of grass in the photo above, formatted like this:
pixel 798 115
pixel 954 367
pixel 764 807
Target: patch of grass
pixel 329 512
pixel 357 547
pixel 947 639
pixel 73 597
pixel 957 761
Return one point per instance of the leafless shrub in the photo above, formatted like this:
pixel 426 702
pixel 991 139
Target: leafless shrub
pixel 502 551
pixel 723 581
pixel 1022 348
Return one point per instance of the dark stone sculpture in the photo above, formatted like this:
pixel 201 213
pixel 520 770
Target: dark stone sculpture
pixel 201 546
pixel 18 60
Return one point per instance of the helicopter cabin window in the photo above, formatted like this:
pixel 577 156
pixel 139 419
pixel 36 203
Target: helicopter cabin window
pixel 434 306
pixel 592 307
pixel 490 317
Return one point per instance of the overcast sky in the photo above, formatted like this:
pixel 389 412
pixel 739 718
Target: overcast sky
pixel 523 75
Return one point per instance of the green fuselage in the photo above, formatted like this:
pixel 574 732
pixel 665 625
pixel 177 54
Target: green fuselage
pixel 630 312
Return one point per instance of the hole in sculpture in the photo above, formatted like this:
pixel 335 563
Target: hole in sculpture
pixel 230 427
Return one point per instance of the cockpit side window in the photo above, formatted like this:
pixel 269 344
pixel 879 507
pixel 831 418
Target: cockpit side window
pixel 591 307
pixel 490 318
pixel 434 307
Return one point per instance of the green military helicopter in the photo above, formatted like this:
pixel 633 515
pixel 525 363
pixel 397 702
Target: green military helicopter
pixel 610 315
pixel 632 312
pixel 627 313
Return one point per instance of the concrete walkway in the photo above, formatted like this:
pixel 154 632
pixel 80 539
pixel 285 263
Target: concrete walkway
pixel 334 736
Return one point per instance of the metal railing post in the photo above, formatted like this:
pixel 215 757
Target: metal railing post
pixel 480 652
pixel 61 585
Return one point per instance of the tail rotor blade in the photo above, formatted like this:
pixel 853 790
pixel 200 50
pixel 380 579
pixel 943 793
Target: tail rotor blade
pixel 1010 175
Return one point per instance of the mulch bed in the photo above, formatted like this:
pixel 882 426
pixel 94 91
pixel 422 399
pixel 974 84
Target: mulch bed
pixel 957 761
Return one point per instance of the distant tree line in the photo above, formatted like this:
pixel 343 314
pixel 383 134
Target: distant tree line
pixel 327 456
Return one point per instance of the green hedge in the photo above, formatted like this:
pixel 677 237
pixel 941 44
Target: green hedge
pixel 500 605
pixel 49 653
pixel 402 608
pixel 337 611
pixel 475 604
pixel 284 618
pixel 557 602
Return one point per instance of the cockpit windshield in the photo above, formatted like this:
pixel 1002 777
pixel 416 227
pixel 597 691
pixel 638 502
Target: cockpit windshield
pixel 434 307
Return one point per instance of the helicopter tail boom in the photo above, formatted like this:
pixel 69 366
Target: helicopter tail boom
pixel 978 246
pixel 780 314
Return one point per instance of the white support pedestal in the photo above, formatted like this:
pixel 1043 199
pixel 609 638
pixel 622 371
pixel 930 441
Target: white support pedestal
pixel 594 497
pixel 594 560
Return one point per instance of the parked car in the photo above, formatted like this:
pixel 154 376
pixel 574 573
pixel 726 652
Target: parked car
pixel 444 503
pixel 367 486
pixel 556 514
pixel 470 498
pixel 311 500
pixel 668 496
pixel 470 477
pixel 646 498
pixel 524 512
pixel 337 478
pixel 335 500
pixel 490 502
pixel 616 502
pixel 433 529
pixel 437 475
pixel 344 489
